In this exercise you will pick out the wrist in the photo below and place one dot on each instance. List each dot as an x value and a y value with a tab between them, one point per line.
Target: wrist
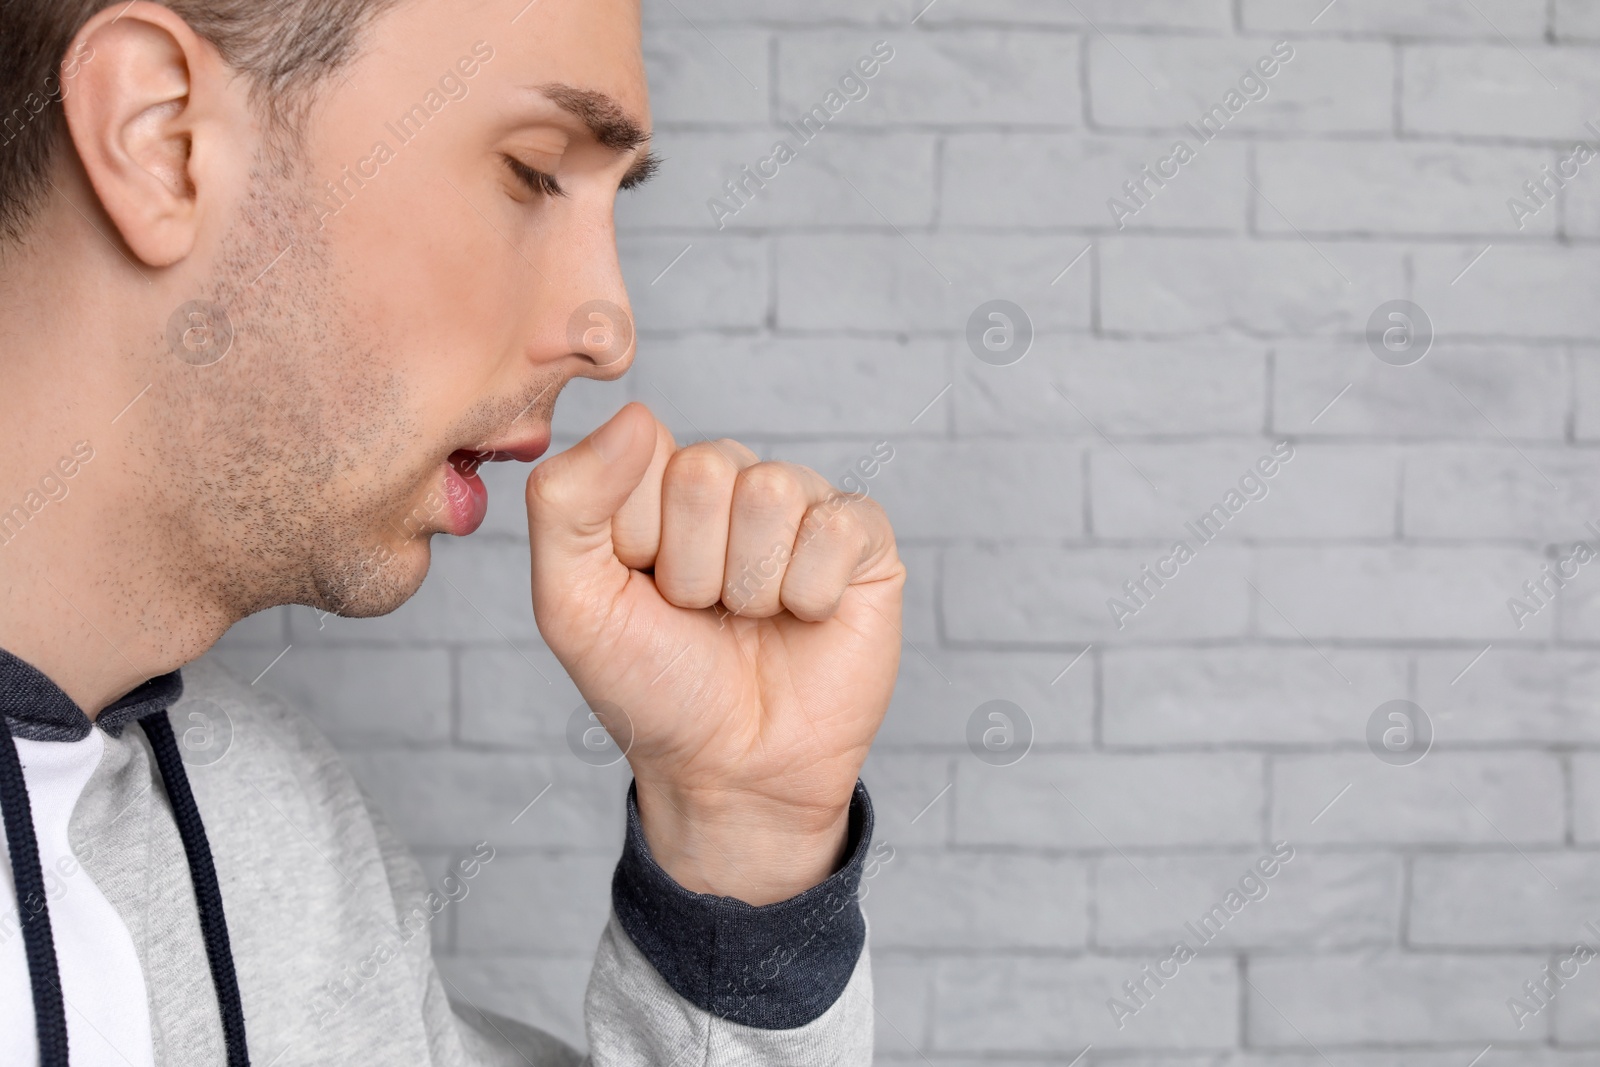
749	848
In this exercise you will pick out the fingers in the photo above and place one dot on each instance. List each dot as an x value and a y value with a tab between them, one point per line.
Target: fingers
840	541
713	522
636	528
697	495
572	497
770	502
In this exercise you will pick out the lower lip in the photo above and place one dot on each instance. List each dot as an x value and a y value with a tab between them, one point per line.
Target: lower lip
468	500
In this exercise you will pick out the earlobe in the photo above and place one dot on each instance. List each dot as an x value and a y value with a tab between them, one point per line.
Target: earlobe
136	108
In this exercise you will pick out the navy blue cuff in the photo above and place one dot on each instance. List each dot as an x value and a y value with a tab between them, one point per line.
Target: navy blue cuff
773	967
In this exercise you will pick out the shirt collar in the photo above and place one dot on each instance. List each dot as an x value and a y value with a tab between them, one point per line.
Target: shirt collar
36	709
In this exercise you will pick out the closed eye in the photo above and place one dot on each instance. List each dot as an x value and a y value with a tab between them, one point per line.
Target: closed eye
537	181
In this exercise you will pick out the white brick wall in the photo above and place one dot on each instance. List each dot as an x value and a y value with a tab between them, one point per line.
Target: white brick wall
1231	712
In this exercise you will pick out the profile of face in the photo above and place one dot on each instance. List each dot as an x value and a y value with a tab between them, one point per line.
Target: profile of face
409	284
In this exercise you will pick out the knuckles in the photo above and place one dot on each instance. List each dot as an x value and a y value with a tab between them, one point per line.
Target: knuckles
771	486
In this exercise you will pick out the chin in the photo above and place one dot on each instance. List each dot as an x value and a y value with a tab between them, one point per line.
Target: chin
375	583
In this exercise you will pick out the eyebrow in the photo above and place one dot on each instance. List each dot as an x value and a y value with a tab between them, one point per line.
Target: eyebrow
609	124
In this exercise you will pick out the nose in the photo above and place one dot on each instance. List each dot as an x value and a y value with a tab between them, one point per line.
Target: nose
586	310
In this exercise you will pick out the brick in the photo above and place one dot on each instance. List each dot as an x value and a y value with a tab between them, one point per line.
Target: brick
1154	14
507	905
894	172
1004	489
1431	18
1579	206
1362	1000
901	992
518	697
1315	901
1577	610
1220	696
1492	491
714	387
723	12
475	591
1446	798
1511	695
911	796
956	900
1575	20
581	407
447	798
1504	900
1060	596
1210	389
1390	188
719	283
1492	90
1319	492
1038	180
268	628
707	74
1586	798
1586	372
1458	390
1443	592
918	282
1133	801
939	690
1016	1005
1178	285
507	482
358	695
1515	290
944	78
1161	82
1577	1016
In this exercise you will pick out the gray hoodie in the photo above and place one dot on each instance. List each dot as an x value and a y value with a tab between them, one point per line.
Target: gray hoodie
327	915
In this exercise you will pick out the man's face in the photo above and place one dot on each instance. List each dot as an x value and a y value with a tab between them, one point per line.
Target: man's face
432	297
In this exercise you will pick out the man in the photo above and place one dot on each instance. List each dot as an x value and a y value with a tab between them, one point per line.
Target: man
278	276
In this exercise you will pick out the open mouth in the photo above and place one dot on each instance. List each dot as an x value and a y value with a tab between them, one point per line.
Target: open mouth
466	495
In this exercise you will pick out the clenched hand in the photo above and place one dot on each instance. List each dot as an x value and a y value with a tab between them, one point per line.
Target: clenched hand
745	618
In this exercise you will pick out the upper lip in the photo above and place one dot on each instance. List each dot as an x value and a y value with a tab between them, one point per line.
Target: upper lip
524	449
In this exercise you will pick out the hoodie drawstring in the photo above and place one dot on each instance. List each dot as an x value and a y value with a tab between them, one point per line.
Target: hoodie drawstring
49	1009
203	873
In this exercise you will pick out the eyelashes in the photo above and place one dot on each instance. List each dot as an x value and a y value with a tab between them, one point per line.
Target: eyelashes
536	182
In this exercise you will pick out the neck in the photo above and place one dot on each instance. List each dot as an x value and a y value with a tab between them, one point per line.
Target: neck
95	589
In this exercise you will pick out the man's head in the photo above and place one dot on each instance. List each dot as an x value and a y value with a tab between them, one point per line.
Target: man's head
280	261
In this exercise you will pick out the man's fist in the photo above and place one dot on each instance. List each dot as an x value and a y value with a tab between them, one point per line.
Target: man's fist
745	618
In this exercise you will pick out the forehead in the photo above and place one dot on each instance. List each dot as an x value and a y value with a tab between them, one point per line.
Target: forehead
590	44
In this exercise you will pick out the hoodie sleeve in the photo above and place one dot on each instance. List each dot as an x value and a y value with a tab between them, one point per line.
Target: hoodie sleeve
686	978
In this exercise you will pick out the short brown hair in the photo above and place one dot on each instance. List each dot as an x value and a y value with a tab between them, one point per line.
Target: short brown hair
285	47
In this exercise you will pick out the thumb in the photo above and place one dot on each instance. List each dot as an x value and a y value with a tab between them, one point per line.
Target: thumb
573	496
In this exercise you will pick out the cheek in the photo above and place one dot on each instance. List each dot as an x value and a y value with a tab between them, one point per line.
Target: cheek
437	297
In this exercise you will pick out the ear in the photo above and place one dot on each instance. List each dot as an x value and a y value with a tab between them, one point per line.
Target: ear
149	110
